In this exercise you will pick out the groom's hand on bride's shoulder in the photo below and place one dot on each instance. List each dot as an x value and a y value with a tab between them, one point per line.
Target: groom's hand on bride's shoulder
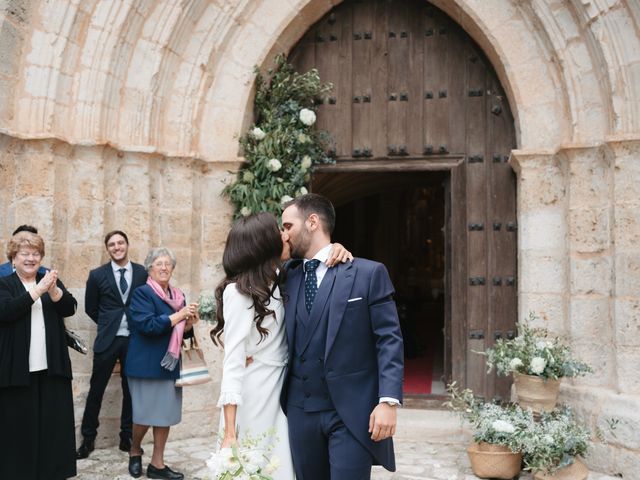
382	422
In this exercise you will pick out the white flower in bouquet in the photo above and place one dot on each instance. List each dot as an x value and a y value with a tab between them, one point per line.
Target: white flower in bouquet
285	199
515	363
248	176
503	426
272	466
258	133
254	460
542	344
537	365
305	164
302	191
308	117
274	165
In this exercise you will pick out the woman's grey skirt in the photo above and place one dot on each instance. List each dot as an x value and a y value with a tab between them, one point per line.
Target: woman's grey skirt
155	402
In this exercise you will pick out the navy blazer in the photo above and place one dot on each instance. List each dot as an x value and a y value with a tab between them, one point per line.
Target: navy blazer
150	332
15	331
103	302
364	358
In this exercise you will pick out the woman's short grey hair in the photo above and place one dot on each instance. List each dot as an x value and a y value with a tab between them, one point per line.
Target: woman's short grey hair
159	252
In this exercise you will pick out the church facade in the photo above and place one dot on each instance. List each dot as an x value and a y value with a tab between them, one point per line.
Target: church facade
126	114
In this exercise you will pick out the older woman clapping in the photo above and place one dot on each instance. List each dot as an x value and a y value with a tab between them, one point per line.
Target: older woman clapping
36	403
158	319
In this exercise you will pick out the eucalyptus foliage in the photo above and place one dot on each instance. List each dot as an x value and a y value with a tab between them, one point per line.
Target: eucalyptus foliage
282	146
506	425
534	351
555	441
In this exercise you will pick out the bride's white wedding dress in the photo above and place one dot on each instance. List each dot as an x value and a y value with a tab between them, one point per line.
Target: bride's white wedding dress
256	388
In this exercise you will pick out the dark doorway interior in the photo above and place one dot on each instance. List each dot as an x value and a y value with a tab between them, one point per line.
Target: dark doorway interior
399	219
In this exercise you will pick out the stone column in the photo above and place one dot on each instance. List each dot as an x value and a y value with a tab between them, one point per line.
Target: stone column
625	153
590	249
543	267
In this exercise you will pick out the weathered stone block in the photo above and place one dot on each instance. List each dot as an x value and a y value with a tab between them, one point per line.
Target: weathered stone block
543	230
539	273
627	322
550	309
590	229
11	39
627	277
626	228
591	275
627	369
590	319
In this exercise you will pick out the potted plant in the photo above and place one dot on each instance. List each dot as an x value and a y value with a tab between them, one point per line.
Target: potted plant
538	360
554	444
499	433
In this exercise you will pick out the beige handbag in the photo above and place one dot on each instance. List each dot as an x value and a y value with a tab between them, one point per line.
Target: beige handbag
193	368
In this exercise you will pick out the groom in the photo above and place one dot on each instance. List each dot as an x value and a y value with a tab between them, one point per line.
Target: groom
344	379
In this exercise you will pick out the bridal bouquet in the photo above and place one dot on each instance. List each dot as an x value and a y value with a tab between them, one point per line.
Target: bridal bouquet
245	461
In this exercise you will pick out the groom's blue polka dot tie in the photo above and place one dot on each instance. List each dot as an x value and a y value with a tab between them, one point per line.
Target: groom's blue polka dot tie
310	283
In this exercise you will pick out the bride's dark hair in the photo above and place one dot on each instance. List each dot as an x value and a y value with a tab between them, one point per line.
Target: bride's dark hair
251	258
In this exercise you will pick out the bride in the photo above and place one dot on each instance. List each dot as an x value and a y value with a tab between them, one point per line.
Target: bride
251	314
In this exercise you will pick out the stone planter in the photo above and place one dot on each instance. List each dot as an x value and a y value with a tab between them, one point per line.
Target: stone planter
576	471
493	461
536	392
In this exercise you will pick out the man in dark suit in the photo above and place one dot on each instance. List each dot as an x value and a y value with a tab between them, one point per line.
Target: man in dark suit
6	268
107	297
344	379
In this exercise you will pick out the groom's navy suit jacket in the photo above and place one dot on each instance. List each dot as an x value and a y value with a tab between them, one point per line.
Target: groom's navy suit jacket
363	354
103	302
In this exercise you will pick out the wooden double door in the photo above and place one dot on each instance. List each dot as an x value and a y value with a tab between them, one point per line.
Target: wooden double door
415	101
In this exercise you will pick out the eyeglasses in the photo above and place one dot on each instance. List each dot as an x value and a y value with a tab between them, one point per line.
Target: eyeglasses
163	264
34	255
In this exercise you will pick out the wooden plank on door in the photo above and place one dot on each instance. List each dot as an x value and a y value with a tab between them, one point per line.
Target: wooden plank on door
398	65
379	74
361	38
477	308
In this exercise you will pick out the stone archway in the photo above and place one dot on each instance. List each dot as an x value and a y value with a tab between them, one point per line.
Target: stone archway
129	106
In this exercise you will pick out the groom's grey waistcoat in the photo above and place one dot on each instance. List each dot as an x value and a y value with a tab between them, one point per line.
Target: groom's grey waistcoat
307	385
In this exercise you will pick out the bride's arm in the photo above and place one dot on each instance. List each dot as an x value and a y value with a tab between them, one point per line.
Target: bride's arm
230	436
238	315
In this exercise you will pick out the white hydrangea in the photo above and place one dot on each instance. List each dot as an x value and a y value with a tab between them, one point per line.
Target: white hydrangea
302	191
245	211
305	164
308	117
537	365
548	439
274	165
258	133
515	363
503	426
285	199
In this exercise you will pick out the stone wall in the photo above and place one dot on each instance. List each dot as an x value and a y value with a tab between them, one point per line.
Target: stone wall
74	195
126	114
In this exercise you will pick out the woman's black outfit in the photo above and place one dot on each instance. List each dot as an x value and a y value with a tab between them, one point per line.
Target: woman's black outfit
36	408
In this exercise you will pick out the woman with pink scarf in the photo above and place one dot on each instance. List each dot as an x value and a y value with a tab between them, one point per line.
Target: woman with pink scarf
158	320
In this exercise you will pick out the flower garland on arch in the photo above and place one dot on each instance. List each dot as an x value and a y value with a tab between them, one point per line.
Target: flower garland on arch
282	147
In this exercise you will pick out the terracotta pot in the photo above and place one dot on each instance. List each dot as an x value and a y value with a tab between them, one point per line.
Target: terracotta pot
493	461
576	471
536	392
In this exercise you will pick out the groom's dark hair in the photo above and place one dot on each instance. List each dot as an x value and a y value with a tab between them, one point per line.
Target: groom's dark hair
320	205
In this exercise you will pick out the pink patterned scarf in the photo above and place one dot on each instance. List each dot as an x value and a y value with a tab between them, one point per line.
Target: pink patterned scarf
175	300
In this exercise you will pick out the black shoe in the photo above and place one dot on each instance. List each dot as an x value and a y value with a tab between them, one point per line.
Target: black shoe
135	466
166	472
85	449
